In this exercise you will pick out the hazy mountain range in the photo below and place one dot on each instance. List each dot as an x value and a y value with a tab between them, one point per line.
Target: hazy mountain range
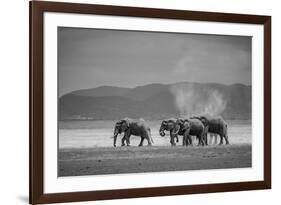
157	101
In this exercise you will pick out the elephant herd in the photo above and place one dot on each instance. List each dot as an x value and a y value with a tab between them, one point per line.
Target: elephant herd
193	126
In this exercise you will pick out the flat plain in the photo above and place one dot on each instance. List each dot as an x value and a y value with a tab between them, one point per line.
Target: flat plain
111	160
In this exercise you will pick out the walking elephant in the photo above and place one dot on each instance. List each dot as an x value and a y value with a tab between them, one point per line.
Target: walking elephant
132	127
170	126
216	125
191	127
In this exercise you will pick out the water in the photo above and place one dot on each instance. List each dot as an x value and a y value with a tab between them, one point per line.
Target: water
85	134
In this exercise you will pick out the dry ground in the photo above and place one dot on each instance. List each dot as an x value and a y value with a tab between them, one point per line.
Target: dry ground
111	160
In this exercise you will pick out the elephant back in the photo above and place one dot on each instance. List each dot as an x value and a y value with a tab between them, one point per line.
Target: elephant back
195	122
142	123
217	125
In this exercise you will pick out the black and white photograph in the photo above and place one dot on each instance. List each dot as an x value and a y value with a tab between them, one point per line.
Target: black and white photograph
144	101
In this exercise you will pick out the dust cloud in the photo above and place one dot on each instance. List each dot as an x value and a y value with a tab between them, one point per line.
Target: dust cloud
192	100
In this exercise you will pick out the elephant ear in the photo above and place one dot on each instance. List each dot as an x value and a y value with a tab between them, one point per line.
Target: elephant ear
171	124
204	120
180	122
186	124
125	124
164	123
117	127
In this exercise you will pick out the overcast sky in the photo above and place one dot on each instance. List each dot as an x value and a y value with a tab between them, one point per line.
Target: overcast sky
90	58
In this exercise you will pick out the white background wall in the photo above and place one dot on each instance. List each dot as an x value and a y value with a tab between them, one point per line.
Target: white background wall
14	100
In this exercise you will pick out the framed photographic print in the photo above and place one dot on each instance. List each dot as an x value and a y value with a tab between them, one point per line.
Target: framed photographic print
139	102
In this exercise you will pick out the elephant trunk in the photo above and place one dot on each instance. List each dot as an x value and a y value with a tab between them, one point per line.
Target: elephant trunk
114	140
116	131
161	132
176	130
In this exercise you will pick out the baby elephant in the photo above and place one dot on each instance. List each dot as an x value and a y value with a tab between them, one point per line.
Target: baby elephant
132	127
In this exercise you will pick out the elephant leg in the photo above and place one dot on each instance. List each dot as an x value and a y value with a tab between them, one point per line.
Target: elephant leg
141	142
127	138
199	138
183	140
221	139
216	138
187	139
190	140
211	139
205	140
226	139
199	141
149	139
177	137
123	141
202	140
128	141
172	141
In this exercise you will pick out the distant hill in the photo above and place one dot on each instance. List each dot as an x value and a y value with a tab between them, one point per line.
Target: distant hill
153	101
102	91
